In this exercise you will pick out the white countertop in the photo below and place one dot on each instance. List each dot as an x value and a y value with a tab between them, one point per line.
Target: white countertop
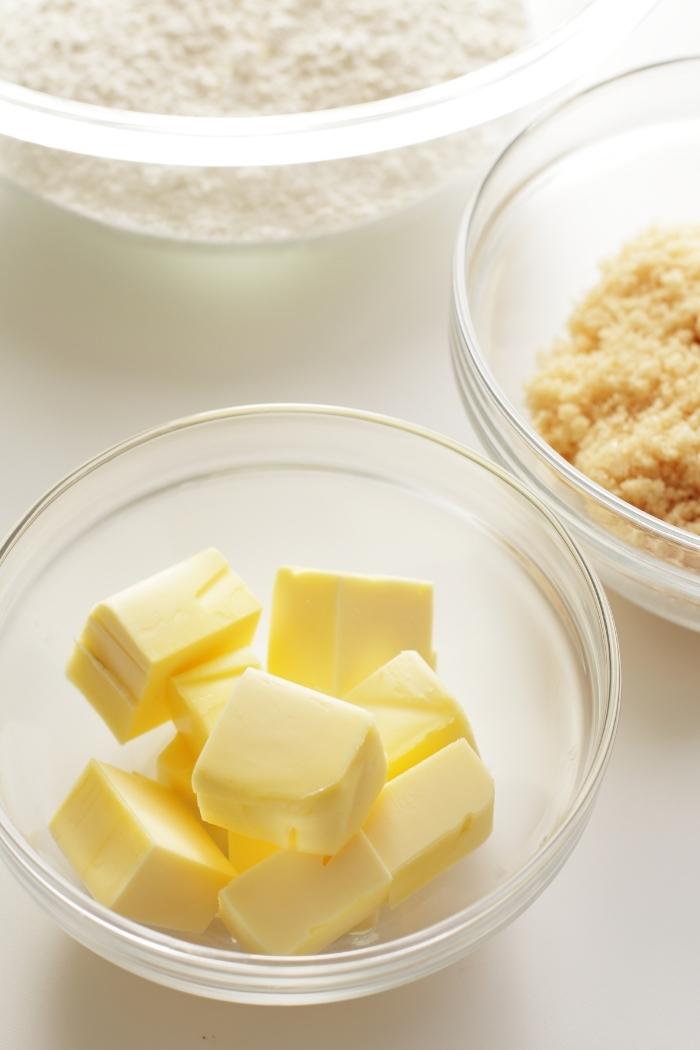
96	334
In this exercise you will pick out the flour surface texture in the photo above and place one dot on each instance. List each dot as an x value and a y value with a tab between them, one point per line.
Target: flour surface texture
246	57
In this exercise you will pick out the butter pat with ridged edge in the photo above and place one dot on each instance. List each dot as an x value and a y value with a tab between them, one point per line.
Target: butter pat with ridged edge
329	631
295	903
431	816
140	850
197	697
415	714
135	640
290	766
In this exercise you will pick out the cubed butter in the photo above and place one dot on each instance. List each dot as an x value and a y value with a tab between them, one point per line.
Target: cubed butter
290	766
415	714
429	817
174	765
134	641
295	903
197	697
244	852
140	850
329	631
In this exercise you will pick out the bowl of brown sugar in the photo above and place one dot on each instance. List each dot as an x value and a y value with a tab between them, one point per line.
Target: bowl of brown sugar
576	325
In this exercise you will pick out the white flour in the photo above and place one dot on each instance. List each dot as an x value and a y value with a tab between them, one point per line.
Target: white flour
216	57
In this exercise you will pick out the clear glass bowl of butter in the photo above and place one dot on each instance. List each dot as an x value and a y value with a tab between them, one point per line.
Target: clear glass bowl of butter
584	179
523	633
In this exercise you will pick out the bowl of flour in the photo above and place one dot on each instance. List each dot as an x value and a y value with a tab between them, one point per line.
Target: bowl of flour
241	121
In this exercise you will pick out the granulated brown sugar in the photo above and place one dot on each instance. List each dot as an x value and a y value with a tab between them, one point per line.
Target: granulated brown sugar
619	397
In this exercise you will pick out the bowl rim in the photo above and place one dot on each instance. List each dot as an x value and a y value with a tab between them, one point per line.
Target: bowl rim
500	87
476	362
226	964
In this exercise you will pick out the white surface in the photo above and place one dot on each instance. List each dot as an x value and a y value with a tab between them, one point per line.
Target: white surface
608	957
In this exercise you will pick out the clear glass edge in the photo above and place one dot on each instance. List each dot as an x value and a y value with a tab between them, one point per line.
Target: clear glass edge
531	73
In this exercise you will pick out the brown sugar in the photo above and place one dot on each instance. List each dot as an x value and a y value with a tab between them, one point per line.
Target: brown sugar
619	396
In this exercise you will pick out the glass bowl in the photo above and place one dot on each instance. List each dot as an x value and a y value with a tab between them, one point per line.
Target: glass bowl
565	194
523	632
237	179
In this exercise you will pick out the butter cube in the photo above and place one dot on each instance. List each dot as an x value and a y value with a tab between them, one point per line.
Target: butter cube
329	631
414	713
289	766
140	850
174	766
244	852
295	903
429	817
134	641
197	697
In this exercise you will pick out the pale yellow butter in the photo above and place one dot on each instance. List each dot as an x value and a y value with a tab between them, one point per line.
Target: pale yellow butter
415	714
174	765
134	641
140	850
329	631
244	852
290	766
197	697
429	817
295	903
